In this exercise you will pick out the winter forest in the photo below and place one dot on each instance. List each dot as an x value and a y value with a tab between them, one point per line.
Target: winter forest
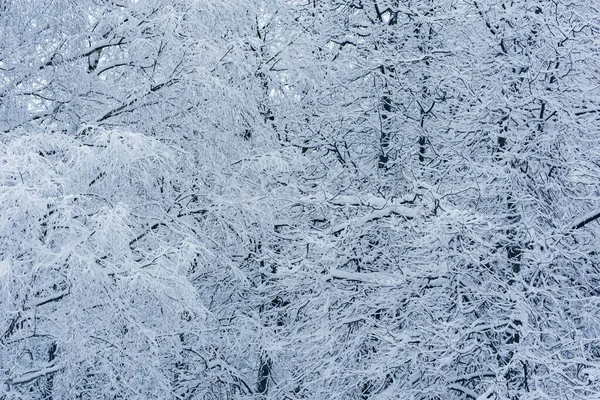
300	199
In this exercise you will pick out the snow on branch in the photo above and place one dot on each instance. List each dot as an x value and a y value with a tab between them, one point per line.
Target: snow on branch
466	391
373	201
379	278
382	208
31	376
586	219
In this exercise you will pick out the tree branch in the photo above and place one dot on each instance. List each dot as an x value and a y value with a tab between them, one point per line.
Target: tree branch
32	376
586	220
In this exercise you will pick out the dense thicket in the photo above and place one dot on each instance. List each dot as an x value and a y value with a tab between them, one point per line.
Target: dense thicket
299	199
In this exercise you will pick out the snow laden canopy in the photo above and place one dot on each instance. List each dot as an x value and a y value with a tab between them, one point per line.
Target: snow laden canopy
299	199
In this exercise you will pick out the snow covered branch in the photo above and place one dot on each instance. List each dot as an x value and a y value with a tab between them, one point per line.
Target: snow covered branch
33	375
